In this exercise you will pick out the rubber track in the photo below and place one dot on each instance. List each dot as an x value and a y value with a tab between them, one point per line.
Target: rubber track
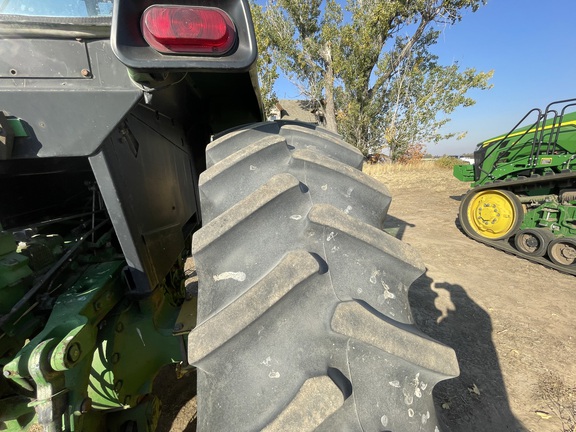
504	245
304	322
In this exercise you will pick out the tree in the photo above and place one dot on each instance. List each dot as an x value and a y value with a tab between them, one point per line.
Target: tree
413	153
372	72
267	72
420	101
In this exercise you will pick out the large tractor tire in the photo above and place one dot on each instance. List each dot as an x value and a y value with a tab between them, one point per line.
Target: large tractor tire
303	316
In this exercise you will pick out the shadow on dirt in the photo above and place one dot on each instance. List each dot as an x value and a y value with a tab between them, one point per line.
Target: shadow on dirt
477	400
178	402
457	197
396	227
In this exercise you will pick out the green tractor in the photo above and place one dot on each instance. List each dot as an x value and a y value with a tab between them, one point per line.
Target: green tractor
132	136
523	196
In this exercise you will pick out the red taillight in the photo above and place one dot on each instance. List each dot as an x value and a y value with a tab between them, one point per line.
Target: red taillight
188	29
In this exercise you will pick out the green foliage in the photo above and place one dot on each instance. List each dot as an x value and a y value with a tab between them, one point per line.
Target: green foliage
267	71
373	72
448	162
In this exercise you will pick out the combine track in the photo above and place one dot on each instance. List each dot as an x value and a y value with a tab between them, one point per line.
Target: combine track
504	245
569	177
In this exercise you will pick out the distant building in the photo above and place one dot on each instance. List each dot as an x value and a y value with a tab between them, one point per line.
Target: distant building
302	110
470	160
467	159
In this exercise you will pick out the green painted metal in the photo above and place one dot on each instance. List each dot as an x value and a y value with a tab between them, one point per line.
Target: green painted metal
15	278
464	173
59	358
558	218
98	351
536	162
131	338
17	127
537	149
15	274
16	413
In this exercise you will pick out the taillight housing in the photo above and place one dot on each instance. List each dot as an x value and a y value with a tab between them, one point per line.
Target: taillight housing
174	29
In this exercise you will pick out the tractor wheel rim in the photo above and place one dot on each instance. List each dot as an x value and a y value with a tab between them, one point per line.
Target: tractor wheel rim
530	242
564	253
492	214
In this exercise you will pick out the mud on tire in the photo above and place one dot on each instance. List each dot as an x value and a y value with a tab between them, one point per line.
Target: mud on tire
304	321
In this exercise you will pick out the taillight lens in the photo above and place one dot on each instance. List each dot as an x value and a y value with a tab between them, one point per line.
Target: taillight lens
188	29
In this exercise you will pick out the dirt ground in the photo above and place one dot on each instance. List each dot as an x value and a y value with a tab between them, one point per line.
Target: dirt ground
511	322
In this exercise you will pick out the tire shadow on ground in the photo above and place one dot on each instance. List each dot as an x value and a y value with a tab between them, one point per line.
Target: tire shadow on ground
396	227
477	400
457	197
177	395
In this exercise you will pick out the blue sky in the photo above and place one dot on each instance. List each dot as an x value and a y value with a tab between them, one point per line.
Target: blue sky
530	45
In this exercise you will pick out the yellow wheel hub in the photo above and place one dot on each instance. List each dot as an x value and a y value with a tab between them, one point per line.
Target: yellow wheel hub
492	214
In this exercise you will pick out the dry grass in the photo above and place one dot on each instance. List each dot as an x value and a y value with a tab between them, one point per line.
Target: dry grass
560	399
421	175
387	168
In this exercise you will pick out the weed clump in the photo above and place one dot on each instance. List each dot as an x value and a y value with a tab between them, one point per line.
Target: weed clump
448	162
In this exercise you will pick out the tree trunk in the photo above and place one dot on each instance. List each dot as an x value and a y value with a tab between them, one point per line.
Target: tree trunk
328	105
330	108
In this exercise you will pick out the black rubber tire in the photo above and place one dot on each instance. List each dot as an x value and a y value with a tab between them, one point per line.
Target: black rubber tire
533	241
304	321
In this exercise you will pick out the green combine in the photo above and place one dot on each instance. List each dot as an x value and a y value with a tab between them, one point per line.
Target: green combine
523	195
